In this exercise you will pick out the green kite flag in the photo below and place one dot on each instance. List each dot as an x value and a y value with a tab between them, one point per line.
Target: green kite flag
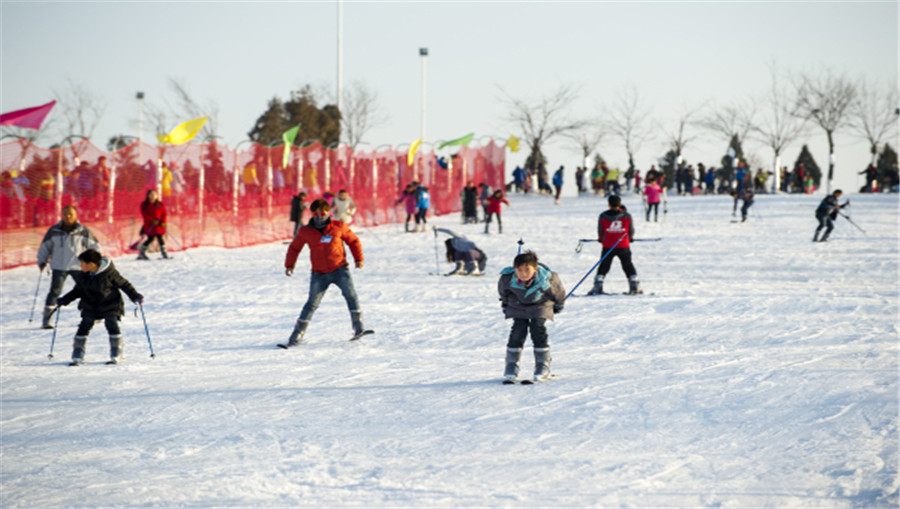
288	137
459	141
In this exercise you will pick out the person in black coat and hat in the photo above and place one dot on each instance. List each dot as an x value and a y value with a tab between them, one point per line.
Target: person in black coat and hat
98	286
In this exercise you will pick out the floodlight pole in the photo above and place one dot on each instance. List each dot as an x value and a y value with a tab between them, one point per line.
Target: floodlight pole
423	52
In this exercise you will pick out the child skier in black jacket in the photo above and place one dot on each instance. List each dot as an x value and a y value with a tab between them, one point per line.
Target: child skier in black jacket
98	285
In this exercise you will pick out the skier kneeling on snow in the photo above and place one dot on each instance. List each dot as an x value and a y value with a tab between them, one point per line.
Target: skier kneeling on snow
530	294
325	239
470	260
98	285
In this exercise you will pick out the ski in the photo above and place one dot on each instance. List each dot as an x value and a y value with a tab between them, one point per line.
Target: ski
361	334
528	381
75	363
111	362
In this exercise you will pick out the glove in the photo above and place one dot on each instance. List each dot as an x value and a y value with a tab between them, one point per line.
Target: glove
41	266
140	299
557	309
59	302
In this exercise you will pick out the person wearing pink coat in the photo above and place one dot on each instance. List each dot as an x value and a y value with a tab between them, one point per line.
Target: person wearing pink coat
653	193
409	199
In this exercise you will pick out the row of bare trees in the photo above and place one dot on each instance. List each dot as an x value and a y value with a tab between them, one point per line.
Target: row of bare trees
79	111
788	111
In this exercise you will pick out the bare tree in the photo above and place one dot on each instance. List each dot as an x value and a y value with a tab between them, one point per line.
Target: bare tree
778	127
629	120
542	120
192	109
825	98
730	122
587	140
361	113
678	139
81	110
873	114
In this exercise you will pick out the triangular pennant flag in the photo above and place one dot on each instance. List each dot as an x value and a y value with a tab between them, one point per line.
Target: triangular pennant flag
412	152
513	144
458	141
31	118
183	132
288	136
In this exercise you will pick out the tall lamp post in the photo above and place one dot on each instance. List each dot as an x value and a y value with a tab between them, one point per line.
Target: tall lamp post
140	99
423	52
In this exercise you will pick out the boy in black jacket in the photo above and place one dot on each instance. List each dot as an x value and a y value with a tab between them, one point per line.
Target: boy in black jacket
98	285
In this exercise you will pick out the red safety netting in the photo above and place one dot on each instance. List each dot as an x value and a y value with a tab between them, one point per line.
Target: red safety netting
214	195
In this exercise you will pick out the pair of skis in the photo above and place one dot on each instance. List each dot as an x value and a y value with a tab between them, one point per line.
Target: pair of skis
528	381
354	338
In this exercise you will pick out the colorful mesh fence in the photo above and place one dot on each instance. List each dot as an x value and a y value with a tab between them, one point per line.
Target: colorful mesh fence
214	195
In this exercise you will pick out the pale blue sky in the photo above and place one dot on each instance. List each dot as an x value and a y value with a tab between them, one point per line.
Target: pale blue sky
679	55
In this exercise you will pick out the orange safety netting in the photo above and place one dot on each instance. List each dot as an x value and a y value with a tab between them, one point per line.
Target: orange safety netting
214	195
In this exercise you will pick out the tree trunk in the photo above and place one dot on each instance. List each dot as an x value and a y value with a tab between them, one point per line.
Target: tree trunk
830	161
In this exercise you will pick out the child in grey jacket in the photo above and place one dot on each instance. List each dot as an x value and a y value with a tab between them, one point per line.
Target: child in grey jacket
530	294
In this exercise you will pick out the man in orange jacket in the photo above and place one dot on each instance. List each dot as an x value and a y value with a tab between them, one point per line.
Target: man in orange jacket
325	238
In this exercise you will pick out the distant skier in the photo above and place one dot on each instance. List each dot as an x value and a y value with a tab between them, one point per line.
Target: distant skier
325	239
530	294
297	208
826	213
494	209
470	203
409	199
469	259
615	232
746	195
344	208
653	194
98	285
558	182
60	247
423	203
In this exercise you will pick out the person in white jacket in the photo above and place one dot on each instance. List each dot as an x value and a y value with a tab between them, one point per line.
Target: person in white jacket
344	208
61	246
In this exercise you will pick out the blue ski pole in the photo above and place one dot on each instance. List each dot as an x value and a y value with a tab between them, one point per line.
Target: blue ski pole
520	245
596	265
55	326
144	318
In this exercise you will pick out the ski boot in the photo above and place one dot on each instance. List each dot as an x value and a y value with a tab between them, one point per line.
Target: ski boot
115	349
78	350
162	251
142	253
634	286
541	364
598	286
512	365
459	270
297	334
45	322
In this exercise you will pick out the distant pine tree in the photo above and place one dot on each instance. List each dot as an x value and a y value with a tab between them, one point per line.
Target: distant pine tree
729	163
887	165
809	165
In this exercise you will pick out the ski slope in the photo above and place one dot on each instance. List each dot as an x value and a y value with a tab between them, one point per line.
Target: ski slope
761	371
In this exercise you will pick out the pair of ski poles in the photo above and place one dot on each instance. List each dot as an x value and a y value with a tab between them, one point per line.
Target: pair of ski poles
143	317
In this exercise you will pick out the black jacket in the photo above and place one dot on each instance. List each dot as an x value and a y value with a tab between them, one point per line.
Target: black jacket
99	292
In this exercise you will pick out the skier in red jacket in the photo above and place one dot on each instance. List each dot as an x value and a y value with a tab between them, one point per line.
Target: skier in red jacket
616	231
154	214
325	238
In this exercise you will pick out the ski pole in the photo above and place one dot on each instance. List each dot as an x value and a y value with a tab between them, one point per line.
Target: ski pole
36	290
437	265
851	222
520	245
55	326
597	264
144	318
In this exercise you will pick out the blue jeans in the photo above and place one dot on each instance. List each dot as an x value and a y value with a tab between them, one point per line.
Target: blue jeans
319	282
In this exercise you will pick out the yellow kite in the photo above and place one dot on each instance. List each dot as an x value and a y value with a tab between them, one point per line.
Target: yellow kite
410	157
513	144
183	132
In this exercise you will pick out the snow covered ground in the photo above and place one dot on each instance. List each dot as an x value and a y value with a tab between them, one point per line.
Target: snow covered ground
760	369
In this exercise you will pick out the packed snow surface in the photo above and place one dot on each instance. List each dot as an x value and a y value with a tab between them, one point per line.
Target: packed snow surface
758	369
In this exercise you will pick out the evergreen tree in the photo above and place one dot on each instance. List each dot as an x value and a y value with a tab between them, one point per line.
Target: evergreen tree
667	167
887	164
809	165
729	163
321	124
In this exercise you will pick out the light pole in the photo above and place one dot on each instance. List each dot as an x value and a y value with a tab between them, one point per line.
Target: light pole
140	99
423	52
340	57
